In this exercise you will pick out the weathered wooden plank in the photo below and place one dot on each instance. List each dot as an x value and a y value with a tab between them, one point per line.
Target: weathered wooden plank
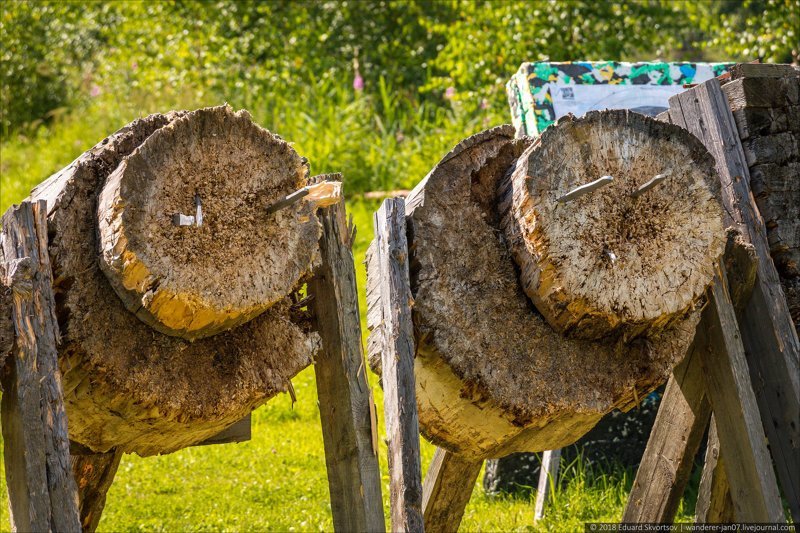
754	489
237	432
42	491
714	504
548	475
674	440
447	489
762	70
94	474
399	392
345	399
768	333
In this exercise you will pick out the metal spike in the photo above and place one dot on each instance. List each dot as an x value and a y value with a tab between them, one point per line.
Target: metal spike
585	189
650	184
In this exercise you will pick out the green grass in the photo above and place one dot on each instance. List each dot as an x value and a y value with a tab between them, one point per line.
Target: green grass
277	481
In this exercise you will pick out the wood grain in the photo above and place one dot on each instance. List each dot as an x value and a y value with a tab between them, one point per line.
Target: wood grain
345	398
768	333
94	474
714	503
447	489
399	391
41	489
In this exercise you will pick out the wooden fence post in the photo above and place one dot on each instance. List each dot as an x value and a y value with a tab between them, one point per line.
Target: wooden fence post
397	369
41	489
345	399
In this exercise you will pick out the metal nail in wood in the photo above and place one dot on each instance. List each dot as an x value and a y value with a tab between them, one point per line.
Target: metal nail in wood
659	178
585	189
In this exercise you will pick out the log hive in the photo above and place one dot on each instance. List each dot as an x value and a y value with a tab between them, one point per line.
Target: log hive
156	380
613	259
493	376
767	114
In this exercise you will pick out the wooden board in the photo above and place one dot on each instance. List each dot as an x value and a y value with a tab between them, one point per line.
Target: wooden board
754	489
41	490
399	390
674	440
768	334
237	432
548	477
714	504
345	399
447	489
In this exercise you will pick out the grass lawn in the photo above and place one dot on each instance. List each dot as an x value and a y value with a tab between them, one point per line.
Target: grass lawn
277	481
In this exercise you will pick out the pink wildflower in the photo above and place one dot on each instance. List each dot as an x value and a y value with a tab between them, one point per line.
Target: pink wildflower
95	91
358	82
449	93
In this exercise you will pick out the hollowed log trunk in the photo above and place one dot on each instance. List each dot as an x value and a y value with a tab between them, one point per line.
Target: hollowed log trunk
126	385
493	377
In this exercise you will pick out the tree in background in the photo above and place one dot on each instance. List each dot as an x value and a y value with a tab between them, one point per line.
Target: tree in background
59	55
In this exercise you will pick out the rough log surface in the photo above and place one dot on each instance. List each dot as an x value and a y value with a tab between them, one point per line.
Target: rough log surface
767	115
195	281
127	386
610	261
41	490
480	341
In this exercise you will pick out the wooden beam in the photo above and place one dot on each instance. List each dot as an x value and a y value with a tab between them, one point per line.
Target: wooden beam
397	369
94	473
674	440
548	475
345	399
754	489
41	489
770	340
714	503
447	489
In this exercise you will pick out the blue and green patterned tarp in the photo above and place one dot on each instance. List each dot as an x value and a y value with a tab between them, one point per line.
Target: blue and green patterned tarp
541	92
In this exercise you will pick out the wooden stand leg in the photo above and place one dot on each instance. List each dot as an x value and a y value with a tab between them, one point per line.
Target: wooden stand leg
714	504
674	440
548	475
94	474
447	489
768	334
345	399
399	391
41	489
754	489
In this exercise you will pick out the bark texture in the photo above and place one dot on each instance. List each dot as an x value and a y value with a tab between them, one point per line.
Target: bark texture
127	386
236	260
767	115
613	260
492	377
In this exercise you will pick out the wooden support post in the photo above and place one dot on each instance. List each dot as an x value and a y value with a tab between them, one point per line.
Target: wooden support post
674	440
94	473
397	369
748	465
548	475
714	504
447	489
345	399
768	334
41	490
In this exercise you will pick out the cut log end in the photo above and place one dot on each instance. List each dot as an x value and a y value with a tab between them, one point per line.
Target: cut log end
632	255
219	171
